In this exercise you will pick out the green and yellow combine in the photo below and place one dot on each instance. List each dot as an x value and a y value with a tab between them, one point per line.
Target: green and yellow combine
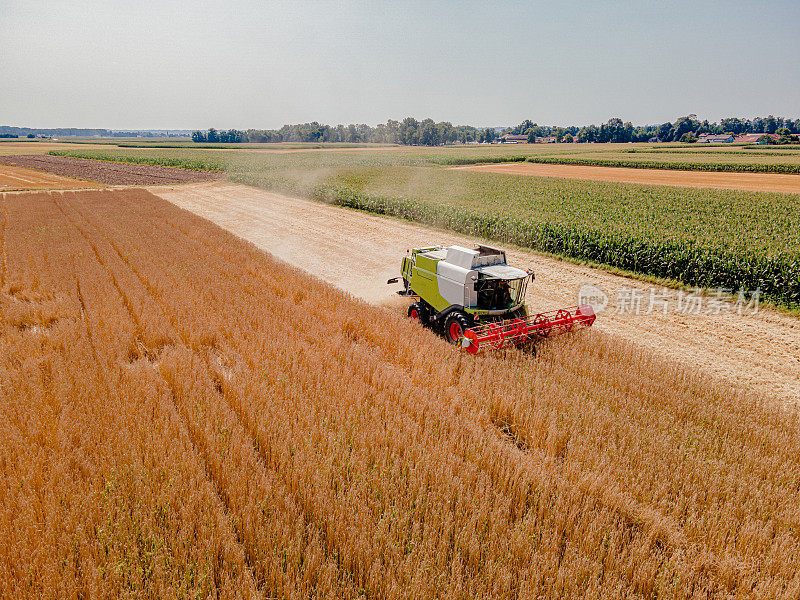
477	300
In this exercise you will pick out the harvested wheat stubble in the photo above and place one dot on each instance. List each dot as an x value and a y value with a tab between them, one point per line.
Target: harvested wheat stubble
20	178
185	415
108	172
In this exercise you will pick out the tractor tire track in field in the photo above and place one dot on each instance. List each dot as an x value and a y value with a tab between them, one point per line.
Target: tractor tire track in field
303	505
359	252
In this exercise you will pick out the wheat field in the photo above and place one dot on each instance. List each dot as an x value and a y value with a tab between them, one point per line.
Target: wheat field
184	416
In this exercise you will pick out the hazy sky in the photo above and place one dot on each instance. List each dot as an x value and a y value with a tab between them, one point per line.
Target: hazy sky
198	64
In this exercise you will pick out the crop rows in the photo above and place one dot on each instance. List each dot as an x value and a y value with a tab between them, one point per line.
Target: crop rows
711	238
706	158
675	165
193	164
777	277
185	416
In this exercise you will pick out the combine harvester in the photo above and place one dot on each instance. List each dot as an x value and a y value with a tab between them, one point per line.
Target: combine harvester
477	300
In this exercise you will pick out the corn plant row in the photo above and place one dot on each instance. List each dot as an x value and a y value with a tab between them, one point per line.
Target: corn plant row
777	277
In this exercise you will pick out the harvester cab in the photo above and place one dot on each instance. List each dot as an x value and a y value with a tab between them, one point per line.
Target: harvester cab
476	299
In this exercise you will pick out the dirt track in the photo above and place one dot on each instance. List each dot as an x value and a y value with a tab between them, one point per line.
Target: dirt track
359	252
753	182
19	178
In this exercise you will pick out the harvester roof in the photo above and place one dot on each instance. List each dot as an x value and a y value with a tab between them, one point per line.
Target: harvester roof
467	258
501	272
489	262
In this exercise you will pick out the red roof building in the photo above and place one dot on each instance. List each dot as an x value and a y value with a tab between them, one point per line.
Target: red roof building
514	139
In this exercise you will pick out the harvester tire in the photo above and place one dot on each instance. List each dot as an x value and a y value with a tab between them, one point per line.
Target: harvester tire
417	312
454	326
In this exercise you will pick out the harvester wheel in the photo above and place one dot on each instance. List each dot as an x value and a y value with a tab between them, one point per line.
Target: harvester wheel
542	324
563	316
455	326
417	312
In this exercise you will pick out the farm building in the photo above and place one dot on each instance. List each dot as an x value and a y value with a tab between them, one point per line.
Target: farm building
546	140
754	138
749	138
514	139
706	138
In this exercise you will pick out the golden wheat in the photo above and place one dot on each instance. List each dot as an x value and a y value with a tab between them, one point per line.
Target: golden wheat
184	416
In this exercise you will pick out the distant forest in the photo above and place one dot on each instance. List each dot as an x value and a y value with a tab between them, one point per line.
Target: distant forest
7	131
411	132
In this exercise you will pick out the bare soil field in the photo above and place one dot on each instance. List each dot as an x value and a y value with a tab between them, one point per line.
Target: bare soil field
754	182
107	172
359	252
20	178
185	416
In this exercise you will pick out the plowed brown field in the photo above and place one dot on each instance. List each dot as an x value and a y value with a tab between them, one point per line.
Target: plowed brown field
110	173
754	182
20	178
359	252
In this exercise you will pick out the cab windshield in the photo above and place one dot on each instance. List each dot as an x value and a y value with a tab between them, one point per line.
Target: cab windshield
499	294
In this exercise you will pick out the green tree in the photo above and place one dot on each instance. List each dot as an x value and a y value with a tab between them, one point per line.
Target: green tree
445	132
428	133
409	131
684	125
664	132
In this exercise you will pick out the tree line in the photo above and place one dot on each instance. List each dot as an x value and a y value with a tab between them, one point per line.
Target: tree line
409	131
412	132
684	129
